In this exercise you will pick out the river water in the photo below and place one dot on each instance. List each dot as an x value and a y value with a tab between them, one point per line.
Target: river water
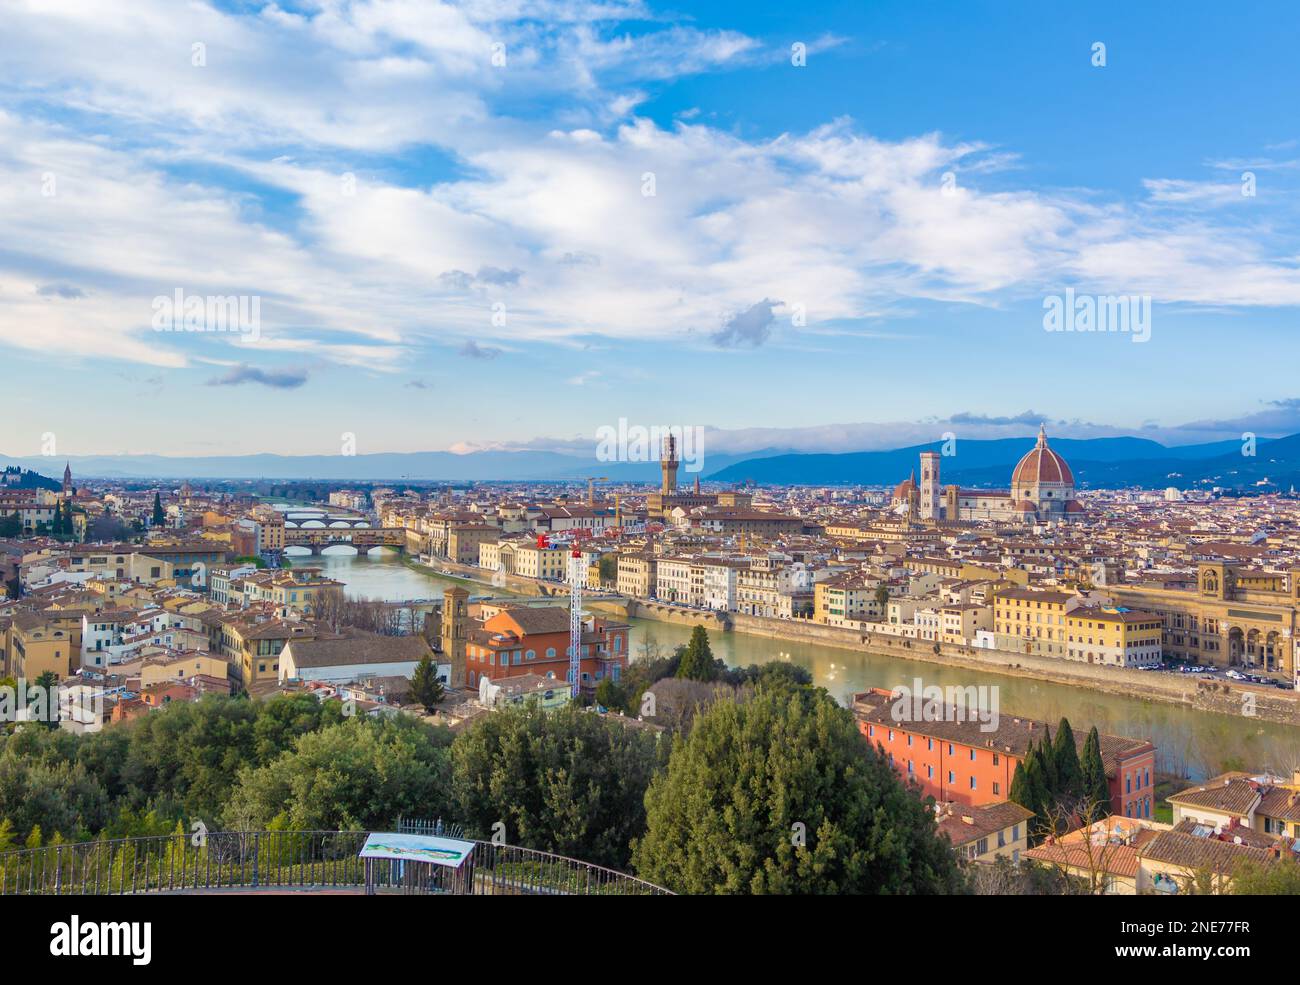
1189	742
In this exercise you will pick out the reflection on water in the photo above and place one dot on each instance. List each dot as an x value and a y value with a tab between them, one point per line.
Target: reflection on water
1197	743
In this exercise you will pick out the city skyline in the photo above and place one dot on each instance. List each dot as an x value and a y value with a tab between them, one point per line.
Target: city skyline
621	211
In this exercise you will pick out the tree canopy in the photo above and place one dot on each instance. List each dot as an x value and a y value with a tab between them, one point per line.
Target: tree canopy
564	781
782	794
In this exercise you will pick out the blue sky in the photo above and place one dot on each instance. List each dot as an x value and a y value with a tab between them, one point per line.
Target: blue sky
454	252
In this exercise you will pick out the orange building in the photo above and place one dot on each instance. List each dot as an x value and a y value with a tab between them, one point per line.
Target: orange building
958	762
525	640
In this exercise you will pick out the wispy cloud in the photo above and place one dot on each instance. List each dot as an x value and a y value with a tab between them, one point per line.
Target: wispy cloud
472	350
751	327
244	373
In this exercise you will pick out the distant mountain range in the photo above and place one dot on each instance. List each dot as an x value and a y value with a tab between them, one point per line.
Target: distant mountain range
1096	463
383	467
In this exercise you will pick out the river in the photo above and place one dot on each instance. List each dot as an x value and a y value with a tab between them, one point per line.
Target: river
1189	742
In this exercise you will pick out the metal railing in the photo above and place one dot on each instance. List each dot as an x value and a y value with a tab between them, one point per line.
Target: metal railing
295	860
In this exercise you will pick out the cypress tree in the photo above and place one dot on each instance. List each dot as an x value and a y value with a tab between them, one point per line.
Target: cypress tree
1022	787
1069	775
1047	761
697	662
159	517
1095	787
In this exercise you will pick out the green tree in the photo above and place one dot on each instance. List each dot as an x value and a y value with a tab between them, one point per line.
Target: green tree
698	662
1096	791
882	596
7	838
1065	755
610	695
48	682
1278	878
1029	790
357	774
565	781
1047	763
159	517
781	794
426	690
608	566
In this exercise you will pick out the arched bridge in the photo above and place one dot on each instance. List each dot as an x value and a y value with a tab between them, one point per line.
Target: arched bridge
362	538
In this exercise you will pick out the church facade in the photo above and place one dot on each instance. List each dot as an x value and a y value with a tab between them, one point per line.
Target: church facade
1042	491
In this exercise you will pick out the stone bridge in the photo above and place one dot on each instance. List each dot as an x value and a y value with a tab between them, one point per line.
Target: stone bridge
360	538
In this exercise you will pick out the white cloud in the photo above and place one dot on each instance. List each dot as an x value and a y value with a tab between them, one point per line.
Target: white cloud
553	210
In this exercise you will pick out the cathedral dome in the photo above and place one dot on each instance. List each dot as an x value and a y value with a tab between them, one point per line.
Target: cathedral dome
1041	465
905	488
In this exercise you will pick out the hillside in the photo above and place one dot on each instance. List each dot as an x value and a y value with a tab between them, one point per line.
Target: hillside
1096	462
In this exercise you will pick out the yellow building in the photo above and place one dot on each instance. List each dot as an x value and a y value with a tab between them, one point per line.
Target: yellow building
550	563
837	601
1029	621
183	668
298	589
985	833
464	541
959	623
1117	637
636	575
36	645
253	649
1235	617
1264	804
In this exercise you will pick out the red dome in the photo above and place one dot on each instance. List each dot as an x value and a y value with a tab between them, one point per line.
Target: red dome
904	489
1042	465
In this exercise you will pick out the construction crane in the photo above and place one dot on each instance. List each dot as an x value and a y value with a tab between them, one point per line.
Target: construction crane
577	578
591	487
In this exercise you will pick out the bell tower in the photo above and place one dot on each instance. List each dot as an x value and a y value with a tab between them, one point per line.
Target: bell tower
929	485
668	465
453	632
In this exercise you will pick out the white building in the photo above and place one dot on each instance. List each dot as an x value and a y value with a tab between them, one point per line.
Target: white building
347	660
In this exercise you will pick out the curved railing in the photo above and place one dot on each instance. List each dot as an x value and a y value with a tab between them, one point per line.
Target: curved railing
295	860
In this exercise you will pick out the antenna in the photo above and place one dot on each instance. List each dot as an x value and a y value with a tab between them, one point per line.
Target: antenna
577	575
